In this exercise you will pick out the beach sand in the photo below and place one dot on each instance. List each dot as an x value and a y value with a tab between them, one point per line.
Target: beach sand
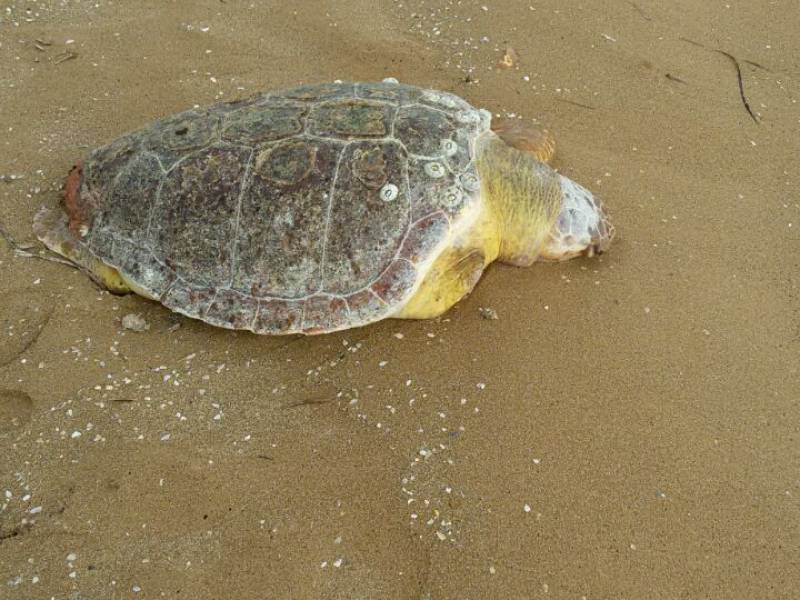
628	428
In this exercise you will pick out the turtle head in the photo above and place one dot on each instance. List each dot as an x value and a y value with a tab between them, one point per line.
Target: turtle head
539	214
582	227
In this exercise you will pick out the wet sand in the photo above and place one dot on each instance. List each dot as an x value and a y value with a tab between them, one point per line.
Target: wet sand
627	428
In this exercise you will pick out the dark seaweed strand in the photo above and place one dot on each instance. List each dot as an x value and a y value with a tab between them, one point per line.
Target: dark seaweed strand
741	84
738	73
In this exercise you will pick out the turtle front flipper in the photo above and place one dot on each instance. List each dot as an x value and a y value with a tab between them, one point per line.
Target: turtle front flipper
525	137
51	226
452	276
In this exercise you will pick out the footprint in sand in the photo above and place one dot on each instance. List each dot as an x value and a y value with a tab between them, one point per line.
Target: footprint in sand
15	410
22	318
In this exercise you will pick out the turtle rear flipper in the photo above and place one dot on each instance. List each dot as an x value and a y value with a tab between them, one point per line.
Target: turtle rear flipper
52	228
452	276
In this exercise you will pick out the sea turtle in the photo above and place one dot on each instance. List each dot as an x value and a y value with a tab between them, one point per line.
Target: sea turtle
320	208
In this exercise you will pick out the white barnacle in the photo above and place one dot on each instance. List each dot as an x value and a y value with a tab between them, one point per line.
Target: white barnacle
469	116
390	80
452	196
470	182
446	100
431	96
449	147
389	192
434	169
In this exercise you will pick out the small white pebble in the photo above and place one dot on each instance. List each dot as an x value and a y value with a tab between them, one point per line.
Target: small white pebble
135	322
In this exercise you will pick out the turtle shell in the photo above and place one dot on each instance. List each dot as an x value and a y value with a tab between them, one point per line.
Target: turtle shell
299	211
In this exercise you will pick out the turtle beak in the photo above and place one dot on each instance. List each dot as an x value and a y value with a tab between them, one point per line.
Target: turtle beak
582	227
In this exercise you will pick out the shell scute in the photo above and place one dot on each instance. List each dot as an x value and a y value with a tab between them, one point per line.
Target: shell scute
258	123
323	313
459	156
279	316
286	164
444	101
424	130
174	137
364	231
364	305
188	299
129	198
396	282
282	219
140	265
193	220
440	192
391	92
103	164
424	236
232	310
350	118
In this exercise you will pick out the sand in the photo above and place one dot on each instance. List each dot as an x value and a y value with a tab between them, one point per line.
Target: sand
627	428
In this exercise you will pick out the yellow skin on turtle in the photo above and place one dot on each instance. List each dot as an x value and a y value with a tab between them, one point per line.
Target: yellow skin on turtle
519	221
524	217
